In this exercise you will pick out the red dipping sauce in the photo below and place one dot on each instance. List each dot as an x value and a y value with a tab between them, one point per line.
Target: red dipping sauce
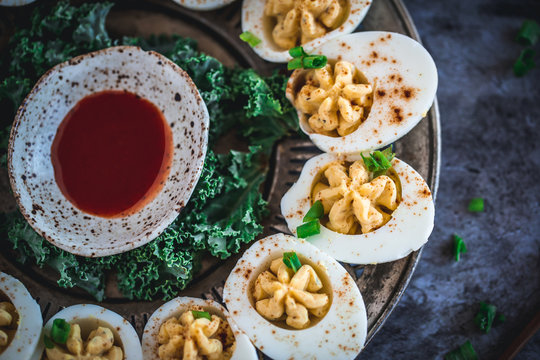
112	153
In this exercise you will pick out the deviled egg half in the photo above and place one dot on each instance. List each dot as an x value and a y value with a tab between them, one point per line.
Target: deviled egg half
203	5
367	218
296	302
191	328
20	320
87	331
374	89
284	24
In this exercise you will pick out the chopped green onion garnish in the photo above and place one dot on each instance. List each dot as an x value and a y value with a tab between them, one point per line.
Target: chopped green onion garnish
49	344
308	229
306	61
60	331
524	62
314	61
315	211
459	247
297	52
529	33
201	315
476	205
485	316
251	39
464	352
500	319
291	260
294	64
379	162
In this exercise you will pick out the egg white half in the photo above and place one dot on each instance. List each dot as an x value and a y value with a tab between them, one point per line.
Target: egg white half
120	327
404	78
340	334
24	344
176	307
254	20
407	230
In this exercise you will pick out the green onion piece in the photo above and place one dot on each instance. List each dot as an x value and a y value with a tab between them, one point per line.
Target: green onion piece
251	39
308	229
485	316
297	52
524	62
529	33
294	64
201	315
314	61
459	246
49	344
315	211
500	319
476	205
379	162
60	331
464	352
291	260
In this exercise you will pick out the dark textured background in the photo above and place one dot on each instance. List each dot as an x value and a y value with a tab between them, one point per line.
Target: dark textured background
490	123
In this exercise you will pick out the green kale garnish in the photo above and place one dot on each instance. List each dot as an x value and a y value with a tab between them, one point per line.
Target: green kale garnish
226	207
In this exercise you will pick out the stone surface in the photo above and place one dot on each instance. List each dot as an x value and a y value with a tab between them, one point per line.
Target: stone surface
490	123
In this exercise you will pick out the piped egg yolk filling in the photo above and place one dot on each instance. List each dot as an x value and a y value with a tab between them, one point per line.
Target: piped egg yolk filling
280	294
98	346
189	338
8	324
300	21
336	100
353	201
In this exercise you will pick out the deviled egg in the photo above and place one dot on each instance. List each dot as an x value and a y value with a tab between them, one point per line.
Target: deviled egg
191	328
374	89
296	302
20	320
367	219
89	331
203	5
284	24
15	2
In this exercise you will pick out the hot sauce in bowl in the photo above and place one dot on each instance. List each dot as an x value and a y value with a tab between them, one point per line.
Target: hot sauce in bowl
112	153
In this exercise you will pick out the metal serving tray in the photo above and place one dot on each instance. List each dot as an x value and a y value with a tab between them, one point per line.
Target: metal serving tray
217	33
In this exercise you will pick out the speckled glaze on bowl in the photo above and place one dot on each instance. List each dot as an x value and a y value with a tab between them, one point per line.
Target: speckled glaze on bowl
25	343
340	334
203	5
147	74
89	317
15	2
408	229
404	80
255	21
175	308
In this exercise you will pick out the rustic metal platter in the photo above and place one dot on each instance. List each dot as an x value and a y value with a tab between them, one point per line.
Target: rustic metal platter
217	33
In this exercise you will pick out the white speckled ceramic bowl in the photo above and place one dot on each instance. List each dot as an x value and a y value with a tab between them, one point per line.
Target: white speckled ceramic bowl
147	74
15	2
407	230
25	343
404	80
203	5
89	317
255	21
175	308
339	334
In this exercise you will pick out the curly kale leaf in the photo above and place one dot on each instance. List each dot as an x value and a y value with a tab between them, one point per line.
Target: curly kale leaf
86	273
